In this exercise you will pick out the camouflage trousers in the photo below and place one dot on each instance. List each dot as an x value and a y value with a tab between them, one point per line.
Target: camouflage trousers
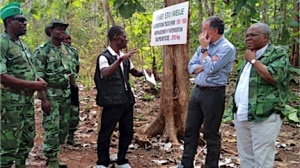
17	130
74	118
56	125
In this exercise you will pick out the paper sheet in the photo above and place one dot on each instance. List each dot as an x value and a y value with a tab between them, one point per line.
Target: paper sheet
150	79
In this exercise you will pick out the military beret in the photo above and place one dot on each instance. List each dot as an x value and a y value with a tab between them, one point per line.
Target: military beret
11	9
52	24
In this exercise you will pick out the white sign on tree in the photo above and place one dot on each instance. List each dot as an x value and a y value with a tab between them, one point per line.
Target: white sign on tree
169	25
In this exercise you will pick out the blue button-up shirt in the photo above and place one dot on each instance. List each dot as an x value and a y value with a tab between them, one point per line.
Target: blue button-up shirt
215	73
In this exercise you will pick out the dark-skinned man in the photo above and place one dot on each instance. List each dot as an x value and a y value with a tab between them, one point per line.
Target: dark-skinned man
53	61
259	98
115	96
18	82
74	115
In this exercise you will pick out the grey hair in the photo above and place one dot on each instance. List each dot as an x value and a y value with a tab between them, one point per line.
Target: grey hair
216	23
264	28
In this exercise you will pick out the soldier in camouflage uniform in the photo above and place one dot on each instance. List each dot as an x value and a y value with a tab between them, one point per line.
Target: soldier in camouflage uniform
260	94
74	116
53	61
18	82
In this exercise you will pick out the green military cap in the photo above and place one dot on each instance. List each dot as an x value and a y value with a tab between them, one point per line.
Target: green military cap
52	24
11	9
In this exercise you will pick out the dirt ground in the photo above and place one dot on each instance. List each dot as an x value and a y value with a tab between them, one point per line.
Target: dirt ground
160	154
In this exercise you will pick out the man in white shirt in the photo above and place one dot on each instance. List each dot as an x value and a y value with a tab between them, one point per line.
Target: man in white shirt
115	96
260	95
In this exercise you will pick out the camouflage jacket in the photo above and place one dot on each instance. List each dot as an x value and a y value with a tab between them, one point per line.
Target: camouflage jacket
15	60
54	65
75	61
266	98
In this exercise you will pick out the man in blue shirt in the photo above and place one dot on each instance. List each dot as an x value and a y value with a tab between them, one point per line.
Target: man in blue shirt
211	65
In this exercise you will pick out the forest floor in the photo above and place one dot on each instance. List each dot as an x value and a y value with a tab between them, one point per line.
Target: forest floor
159	154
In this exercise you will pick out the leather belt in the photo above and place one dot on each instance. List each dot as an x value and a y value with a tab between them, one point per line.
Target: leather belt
211	87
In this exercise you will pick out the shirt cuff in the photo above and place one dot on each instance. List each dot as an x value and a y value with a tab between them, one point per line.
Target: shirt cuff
207	59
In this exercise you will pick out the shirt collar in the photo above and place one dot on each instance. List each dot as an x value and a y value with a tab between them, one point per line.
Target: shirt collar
218	41
261	51
113	52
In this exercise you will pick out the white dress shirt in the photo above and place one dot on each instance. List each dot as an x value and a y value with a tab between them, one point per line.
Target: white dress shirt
241	96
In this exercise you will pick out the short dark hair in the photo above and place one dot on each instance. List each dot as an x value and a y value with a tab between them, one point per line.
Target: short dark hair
216	23
114	31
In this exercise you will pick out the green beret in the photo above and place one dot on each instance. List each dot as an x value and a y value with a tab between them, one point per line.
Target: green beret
53	23
11	9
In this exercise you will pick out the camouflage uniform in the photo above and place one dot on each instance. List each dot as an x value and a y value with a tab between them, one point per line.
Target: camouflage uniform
74	115
54	65
265	98
17	110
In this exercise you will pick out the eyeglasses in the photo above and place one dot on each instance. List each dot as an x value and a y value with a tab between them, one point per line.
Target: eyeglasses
252	35
21	19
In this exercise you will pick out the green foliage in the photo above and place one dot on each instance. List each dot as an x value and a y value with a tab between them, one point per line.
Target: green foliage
126	8
20	1
139	117
147	97
291	113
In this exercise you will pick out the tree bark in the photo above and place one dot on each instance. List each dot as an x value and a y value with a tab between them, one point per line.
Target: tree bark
264	9
108	12
200	14
174	93
295	45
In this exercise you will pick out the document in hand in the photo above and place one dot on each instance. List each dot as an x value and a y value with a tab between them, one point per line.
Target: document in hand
151	78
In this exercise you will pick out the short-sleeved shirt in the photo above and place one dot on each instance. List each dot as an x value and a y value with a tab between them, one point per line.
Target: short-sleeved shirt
54	64
15	60
103	62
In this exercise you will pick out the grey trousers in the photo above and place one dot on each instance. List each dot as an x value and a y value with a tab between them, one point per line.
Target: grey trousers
256	142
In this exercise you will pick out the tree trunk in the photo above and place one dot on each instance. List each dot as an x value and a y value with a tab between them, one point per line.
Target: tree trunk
200	14
283	11
174	91
295	45
264	9
108	12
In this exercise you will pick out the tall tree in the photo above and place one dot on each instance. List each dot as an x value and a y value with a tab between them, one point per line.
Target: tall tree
295	44
174	91
108	12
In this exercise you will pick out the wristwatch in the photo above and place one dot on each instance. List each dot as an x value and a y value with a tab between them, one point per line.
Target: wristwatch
203	50
253	61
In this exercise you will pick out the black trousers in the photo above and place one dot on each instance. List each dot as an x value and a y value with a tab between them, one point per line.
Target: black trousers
205	107
110	117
